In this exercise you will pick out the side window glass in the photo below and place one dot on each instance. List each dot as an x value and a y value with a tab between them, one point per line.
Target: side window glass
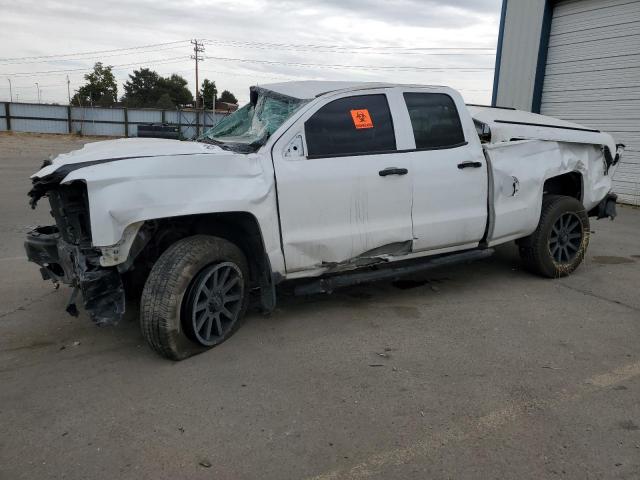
435	120
352	125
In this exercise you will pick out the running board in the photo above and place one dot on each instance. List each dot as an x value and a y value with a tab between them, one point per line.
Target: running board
328	284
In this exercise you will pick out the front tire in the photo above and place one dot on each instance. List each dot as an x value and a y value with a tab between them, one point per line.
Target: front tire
557	247
195	296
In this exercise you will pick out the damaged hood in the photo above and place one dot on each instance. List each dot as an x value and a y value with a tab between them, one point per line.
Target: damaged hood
133	180
130	158
123	149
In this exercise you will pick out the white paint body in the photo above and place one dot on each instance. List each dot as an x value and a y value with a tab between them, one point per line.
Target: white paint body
320	214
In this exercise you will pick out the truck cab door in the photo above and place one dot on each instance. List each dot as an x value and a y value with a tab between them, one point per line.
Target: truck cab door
449	172
344	190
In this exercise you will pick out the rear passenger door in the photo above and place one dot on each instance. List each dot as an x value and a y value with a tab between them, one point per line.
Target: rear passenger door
449	173
348	192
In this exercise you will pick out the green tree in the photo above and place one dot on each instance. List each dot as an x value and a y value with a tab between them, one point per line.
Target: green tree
228	97
100	89
141	88
176	87
145	88
165	102
208	90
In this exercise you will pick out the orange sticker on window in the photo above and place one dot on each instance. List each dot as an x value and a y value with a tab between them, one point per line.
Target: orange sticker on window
361	118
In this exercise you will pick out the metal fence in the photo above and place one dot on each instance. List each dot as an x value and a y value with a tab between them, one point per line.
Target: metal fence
112	122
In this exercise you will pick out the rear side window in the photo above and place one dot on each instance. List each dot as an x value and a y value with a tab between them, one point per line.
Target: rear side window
435	120
351	126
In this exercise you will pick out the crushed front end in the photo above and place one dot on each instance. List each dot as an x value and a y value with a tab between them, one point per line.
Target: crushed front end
65	253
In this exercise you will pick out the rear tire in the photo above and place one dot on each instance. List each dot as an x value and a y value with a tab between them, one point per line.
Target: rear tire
173	301
557	247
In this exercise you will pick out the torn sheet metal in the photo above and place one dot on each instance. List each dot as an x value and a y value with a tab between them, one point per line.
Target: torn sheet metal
61	262
506	125
371	257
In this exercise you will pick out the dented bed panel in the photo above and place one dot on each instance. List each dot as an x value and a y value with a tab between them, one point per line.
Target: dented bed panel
519	171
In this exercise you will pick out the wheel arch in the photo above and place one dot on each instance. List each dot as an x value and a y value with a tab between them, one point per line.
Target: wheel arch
569	184
238	227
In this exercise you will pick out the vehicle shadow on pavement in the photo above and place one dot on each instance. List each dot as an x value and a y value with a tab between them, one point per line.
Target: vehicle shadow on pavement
48	327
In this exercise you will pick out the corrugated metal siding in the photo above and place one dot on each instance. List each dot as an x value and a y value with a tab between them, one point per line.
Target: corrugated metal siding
43	118
593	76
145	116
188	121
52	118
3	113
142	116
520	44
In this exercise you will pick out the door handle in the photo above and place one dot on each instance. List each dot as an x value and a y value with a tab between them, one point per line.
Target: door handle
393	171
469	165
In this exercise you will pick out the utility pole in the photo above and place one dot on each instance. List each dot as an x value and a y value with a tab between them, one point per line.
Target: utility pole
197	49
38	87
10	90
69	89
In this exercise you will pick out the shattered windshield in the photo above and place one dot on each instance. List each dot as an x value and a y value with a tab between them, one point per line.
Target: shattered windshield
248	128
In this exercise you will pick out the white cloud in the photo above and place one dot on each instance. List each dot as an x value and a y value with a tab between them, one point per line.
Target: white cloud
50	27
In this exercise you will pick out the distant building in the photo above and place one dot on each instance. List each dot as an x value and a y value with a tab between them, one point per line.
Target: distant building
224	107
578	60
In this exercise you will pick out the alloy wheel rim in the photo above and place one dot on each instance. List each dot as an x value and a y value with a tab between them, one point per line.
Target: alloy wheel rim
215	302
565	238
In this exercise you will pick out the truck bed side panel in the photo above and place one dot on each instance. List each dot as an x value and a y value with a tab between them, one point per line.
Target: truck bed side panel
519	171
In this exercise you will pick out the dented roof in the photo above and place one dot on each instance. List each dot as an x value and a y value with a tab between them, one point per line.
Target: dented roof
309	89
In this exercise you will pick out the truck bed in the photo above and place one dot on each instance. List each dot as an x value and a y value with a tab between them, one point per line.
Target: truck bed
506	124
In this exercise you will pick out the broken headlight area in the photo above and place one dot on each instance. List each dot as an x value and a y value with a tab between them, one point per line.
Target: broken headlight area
65	255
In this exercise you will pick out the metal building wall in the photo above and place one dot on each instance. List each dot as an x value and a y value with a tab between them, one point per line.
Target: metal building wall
593	76
517	61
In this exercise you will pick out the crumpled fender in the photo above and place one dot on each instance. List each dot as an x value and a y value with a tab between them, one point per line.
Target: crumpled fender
125	192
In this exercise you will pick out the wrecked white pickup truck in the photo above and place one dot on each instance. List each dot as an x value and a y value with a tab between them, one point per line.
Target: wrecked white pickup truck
328	183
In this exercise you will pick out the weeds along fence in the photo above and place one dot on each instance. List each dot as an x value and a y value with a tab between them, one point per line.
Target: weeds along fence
101	121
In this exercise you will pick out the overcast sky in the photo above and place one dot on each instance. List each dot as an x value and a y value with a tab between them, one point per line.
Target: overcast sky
369	40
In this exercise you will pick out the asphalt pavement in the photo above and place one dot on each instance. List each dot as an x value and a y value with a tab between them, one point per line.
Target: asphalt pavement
475	371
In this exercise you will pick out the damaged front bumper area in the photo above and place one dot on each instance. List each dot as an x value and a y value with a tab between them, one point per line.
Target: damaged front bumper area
65	255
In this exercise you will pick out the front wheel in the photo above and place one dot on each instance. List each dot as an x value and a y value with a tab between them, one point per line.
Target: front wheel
195	296
557	247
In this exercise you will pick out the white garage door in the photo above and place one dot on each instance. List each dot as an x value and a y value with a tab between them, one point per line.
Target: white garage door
593	76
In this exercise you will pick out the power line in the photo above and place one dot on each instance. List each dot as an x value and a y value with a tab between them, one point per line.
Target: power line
345	47
48	72
258	74
94	57
362	67
432	51
92	52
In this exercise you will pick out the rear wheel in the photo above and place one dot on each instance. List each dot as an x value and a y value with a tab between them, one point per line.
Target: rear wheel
195	296
557	247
